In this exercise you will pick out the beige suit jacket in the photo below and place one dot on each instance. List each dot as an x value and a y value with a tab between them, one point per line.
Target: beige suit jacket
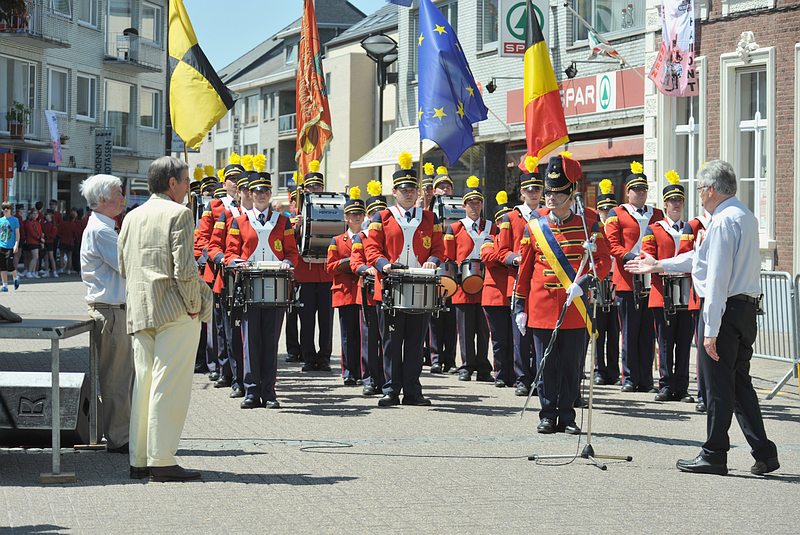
156	258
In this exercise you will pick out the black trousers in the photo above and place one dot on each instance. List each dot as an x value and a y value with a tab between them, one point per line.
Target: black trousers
638	334
261	330
200	358
473	338
559	384
606	349
698	341
317	311
219	346
441	338
231	360
403	336
729	389
674	346
372	346
292	336
501	331
525	355
350	323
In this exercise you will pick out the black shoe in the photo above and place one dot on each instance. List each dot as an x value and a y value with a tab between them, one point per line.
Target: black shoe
546	426
200	368
272	404
369	390
350	381
521	390
628	387
499	383
213	376
699	465
570	429
484	377
700	407
464	375
419	401
222	382
599	381
436	369
664	395
294	358
249	403
236	392
388	400
119	449
173	473
310	367
684	398
648	389
615	382
140	472
580	403
324	367
452	370
765	467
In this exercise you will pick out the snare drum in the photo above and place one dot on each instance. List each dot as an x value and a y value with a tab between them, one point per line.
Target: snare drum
413	291
642	282
677	292
267	288
229	287
448	278
449	209
323	219
472	273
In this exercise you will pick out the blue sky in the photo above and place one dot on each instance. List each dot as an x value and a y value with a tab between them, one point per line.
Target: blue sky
226	29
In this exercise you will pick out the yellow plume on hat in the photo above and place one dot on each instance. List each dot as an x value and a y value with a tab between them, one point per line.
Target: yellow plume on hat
405	160
441	170
531	162
247	162
259	163
672	176
220	175
208	170
313	166
198	173
473	182
374	188
298	178
606	186
234	159
428	168
501	197
355	193
565	154
636	168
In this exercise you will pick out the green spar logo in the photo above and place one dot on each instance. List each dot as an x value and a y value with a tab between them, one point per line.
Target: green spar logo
605	92
519	14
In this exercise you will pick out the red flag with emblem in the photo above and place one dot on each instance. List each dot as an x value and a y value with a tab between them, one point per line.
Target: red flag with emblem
313	115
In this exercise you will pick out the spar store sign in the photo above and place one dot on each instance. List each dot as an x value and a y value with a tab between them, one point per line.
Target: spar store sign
513	23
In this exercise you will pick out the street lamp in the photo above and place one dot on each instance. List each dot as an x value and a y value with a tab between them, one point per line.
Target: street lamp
381	49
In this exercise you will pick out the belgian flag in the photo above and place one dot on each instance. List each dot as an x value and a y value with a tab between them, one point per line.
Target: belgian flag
545	125
197	97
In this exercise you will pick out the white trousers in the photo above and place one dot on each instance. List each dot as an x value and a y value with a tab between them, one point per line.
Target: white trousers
164	362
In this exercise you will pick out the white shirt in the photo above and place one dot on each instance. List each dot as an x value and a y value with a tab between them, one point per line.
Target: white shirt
99	262
725	264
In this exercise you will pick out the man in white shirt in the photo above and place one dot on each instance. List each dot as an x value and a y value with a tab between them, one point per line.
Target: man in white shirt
725	267
105	296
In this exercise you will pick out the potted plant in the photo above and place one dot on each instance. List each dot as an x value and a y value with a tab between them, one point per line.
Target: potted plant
64	139
17	117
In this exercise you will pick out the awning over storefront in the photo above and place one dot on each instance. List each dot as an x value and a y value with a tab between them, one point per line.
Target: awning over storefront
385	153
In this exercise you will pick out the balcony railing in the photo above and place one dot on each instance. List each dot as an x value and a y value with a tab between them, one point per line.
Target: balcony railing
132	50
37	25
287	124
31	129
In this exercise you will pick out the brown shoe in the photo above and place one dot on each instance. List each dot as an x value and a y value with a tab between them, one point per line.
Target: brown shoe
173	473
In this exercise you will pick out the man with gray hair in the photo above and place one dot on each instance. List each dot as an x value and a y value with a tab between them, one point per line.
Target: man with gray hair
725	267
166	303
105	296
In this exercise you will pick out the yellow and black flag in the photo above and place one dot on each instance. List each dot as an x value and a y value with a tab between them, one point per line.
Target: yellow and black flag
197	97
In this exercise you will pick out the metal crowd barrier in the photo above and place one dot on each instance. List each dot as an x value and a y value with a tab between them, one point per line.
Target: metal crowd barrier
778	330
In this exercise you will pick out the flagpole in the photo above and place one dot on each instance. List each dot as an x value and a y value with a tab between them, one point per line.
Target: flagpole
167	118
419	166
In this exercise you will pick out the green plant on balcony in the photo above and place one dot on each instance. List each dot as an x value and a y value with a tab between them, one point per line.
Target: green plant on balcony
18	116
13	15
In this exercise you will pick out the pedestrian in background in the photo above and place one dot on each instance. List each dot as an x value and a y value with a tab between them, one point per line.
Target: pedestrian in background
9	245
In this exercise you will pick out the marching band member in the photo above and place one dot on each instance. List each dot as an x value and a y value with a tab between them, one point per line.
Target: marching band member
315	293
208	183
425	200
261	235
345	288
495	302
662	240
463	240
606	349
625	228
550	275
293	352
412	237
371	344
509	237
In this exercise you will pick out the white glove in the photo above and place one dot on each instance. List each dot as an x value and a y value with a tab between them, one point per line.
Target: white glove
590	245
573	291
521	320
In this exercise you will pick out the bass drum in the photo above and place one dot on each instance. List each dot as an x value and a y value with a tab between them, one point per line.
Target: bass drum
323	219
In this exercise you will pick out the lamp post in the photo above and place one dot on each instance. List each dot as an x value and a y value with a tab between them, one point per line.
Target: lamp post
381	49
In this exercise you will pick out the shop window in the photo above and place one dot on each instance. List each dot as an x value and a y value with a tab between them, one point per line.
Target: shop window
752	120
608	17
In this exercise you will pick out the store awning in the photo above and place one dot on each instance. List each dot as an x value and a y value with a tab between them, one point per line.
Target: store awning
385	153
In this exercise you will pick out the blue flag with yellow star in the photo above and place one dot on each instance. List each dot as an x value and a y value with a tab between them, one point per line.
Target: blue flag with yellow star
449	100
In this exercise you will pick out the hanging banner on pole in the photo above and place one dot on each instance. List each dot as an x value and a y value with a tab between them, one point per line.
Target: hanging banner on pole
674	71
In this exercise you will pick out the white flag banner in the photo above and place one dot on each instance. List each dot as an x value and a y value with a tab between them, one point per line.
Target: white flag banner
674	71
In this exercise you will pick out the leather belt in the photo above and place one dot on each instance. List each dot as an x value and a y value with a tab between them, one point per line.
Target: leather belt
106	305
744	297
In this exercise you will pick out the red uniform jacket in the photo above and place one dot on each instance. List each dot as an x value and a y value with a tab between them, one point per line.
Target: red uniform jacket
458	246
358	263
215	247
203	235
538	285
345	283
50	231
58	218
385	242
33	232
242	240
622	232
65	230
660	244
495	284
510	232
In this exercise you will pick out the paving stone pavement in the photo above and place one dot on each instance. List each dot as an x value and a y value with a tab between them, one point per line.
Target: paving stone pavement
331	461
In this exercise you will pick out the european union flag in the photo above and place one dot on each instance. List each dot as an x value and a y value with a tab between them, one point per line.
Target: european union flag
449	100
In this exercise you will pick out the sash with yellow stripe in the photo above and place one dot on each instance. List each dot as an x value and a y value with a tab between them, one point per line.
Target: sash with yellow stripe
558	261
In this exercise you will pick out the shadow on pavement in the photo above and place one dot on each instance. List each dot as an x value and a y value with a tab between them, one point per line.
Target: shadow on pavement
38	528
217	453
273	479
654	440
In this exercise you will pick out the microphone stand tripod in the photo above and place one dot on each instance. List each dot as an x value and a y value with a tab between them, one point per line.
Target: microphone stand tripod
588	450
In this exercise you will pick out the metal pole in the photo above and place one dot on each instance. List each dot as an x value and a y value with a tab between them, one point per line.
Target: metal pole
381	87
55	405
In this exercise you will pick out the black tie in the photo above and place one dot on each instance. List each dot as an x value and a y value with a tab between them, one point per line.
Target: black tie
677	226
475	226
409	216
262	219
640	210
234	204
